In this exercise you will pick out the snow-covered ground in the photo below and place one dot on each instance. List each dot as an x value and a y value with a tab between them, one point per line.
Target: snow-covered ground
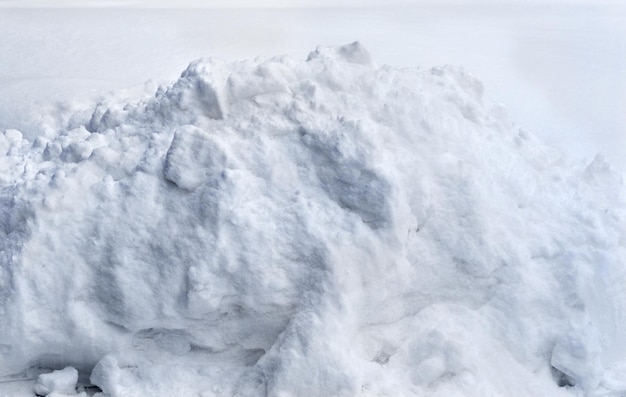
315	224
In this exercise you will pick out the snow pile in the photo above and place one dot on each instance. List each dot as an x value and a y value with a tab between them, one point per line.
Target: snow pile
318	228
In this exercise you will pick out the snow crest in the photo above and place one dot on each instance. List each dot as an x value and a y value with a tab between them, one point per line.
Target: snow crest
318	228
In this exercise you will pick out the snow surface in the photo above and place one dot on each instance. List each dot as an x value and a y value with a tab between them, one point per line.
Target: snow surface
309	228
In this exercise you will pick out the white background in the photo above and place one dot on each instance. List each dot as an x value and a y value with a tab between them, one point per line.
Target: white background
559	67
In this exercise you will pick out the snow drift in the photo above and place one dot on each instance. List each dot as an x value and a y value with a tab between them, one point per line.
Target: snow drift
318	228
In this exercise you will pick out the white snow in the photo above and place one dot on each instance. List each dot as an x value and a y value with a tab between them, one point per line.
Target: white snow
322	227
58	383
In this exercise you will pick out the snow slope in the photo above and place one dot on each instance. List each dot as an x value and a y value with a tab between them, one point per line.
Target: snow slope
314	228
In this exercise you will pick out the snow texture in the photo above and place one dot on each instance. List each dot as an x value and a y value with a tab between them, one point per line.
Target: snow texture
319	228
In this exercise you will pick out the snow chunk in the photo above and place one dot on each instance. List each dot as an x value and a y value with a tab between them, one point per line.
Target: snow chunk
106	375
57	382
353	53
578	359
194	157
198	91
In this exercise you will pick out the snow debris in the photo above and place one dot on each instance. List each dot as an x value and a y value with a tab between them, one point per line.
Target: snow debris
58	383
317	228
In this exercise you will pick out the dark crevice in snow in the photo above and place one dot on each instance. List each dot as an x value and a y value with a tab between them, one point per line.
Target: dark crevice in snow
561	378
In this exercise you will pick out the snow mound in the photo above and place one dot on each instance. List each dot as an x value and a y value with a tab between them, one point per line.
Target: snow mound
318	228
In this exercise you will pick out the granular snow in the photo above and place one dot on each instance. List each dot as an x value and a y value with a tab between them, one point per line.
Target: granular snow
317	228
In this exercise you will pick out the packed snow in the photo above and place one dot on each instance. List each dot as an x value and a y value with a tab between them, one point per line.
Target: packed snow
57	383
318	227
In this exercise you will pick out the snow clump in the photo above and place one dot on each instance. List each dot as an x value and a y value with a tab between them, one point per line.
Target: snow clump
58	383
